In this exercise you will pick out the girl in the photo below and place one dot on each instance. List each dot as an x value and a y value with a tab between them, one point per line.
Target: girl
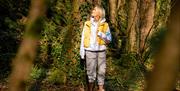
95	36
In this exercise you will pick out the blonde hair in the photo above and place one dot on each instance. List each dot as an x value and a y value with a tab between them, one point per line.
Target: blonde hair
101	11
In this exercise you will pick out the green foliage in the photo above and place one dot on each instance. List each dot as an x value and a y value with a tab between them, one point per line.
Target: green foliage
10	31
58	60
85	10
128	61
60	42
156	41
37	73
163	6
56	76
162	12
122	17
11	24
125	73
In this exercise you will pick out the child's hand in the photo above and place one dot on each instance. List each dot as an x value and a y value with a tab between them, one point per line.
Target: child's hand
101	35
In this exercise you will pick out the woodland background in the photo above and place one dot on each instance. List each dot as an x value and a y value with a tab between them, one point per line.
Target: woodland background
138	29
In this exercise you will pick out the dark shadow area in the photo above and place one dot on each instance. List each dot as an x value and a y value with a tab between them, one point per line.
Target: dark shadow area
9	41
36	86
128	72
10	32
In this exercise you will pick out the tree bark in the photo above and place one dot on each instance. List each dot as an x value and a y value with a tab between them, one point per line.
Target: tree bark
147	18
132	26
118	4
167	61
112	11
26	54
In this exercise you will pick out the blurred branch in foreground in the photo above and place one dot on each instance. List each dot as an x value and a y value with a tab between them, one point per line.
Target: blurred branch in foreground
167	61
26	54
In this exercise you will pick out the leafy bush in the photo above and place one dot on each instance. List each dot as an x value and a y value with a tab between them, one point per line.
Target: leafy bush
124	73
156	40
37	73
56	76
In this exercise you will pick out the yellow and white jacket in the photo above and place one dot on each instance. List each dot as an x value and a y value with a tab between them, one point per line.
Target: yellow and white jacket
94	35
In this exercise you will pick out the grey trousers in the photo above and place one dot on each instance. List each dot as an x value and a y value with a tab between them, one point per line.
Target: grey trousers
96	65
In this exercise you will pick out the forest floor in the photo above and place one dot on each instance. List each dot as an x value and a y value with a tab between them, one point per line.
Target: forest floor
44	87
39	86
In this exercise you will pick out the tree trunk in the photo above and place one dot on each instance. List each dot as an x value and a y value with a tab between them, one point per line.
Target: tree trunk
118	4
76	8
26	54
167	61
132	26
147	18
113	10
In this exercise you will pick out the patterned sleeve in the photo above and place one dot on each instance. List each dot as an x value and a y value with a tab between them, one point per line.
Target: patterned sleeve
108	34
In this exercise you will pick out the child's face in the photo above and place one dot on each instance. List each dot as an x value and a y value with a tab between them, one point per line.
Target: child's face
95	12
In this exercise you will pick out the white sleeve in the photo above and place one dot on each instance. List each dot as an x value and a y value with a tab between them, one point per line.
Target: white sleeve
82	50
